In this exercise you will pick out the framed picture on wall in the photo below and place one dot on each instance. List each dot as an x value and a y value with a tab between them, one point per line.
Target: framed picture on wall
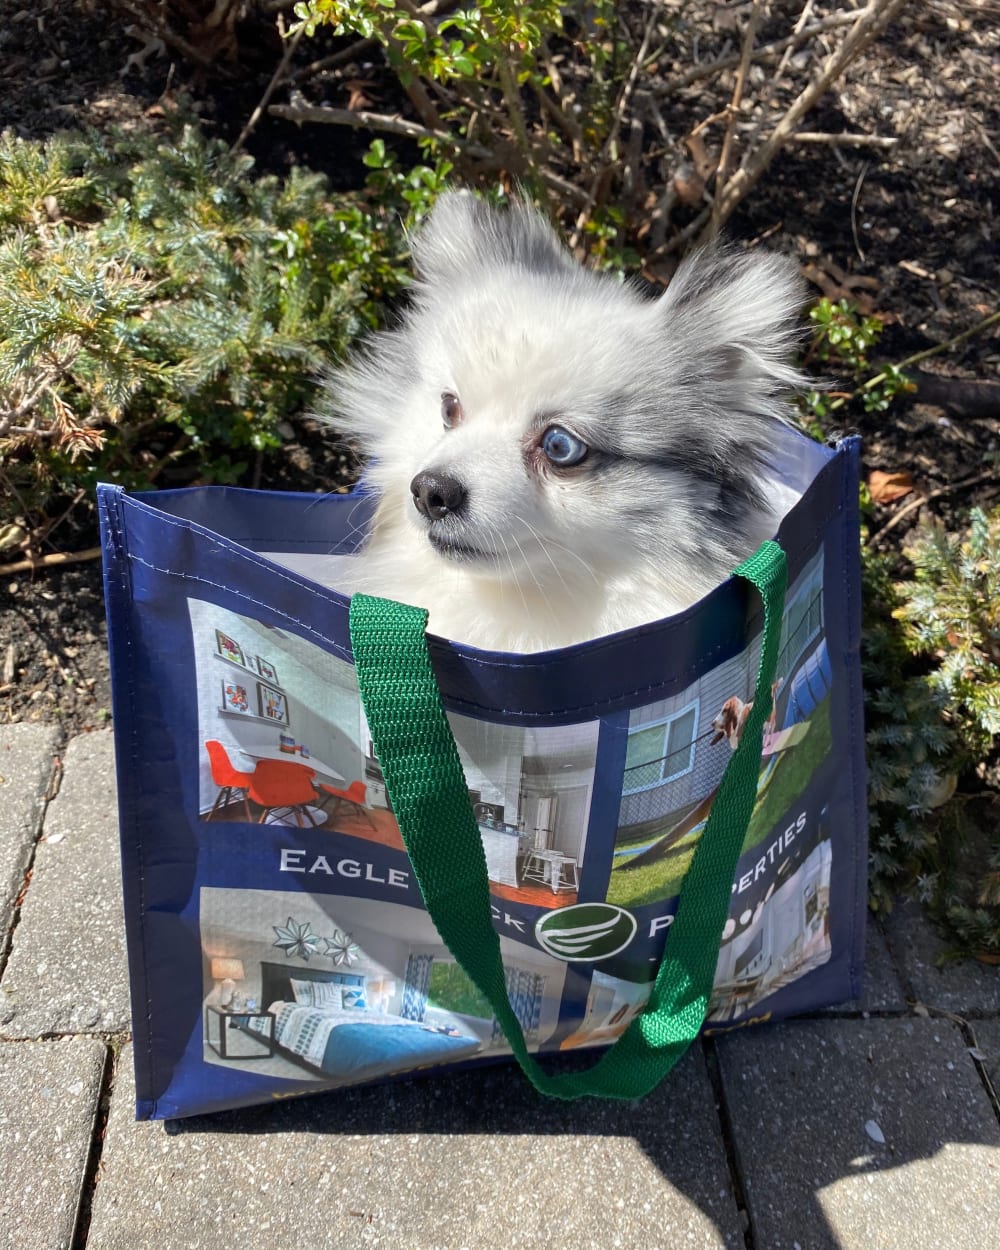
266	669
235	698
229	648
272	704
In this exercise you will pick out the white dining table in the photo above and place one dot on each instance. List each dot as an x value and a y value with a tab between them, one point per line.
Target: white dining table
325	772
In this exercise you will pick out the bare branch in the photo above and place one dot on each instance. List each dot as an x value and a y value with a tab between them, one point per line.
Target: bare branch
56	558
766	52
756	13
843	140
361	119
607	147
276	77
870	23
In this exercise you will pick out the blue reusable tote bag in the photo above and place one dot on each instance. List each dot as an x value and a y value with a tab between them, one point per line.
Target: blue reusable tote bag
352	851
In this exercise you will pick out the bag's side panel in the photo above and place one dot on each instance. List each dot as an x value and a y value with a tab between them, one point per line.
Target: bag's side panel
145	777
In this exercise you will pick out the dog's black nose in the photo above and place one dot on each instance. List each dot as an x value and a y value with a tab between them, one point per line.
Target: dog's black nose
437	494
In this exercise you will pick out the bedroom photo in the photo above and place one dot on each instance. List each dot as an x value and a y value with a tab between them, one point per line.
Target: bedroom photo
350	990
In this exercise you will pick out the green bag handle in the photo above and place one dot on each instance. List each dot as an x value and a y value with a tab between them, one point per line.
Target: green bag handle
427	788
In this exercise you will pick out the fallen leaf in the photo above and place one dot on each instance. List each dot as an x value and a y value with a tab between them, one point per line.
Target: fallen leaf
874	1132
886	487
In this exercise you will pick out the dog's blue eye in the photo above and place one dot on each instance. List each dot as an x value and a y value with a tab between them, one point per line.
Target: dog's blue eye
561	447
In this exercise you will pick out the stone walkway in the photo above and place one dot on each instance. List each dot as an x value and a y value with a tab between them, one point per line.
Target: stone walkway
866	1127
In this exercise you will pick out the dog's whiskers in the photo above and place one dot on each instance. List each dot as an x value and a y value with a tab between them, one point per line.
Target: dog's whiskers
513	570
538	585
545	544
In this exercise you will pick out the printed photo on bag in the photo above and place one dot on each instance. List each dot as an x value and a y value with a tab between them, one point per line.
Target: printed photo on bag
349	990
296	753
301	756
777	938
530	791
612	1005
677	752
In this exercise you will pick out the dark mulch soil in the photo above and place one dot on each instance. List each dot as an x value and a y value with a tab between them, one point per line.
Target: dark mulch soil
910	233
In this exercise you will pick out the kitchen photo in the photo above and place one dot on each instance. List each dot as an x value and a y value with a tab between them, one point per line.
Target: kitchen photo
531	791
346	990
282	738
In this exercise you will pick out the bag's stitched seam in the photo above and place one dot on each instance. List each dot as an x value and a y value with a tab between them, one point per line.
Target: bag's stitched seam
117	526
624	696
239	594
850	559
241	553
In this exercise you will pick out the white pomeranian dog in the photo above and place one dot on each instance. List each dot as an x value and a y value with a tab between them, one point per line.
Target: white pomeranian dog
558	456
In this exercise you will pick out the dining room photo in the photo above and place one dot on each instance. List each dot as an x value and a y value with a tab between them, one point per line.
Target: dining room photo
281	735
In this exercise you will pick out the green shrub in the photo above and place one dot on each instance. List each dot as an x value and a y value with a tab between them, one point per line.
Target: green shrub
932	672
951	611
158	301
843	338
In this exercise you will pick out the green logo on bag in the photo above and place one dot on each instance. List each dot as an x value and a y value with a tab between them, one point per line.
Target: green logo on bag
586	932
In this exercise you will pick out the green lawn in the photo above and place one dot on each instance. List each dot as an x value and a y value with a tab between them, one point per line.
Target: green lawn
662	879
791	776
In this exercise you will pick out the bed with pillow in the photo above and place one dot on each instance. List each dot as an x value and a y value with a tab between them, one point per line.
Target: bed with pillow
323	1022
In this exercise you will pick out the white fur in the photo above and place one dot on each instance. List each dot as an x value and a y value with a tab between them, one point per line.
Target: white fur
676	397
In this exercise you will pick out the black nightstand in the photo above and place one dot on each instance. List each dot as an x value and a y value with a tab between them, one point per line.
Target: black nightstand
234	1020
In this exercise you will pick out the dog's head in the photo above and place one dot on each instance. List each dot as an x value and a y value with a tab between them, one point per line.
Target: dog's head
727	723
536	421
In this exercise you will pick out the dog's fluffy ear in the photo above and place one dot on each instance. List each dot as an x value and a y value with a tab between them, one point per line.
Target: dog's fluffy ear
464	234
737	315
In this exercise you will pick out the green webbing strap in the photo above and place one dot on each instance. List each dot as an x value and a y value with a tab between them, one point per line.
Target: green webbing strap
427	788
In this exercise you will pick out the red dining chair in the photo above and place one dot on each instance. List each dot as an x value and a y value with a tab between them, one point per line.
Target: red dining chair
231	782
356	795
283	788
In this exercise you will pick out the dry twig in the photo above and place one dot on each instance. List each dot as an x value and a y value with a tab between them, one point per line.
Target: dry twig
732	112
869	24
766	52
56	558
913	504
276	77
844	140
608	147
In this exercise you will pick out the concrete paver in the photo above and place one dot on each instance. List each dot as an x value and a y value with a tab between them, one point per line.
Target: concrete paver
953	986
26	754
67	970
473	1160
49	1094
860	1134
882	990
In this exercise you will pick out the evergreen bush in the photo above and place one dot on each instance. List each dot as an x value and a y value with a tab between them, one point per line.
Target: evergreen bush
932	672
159	302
